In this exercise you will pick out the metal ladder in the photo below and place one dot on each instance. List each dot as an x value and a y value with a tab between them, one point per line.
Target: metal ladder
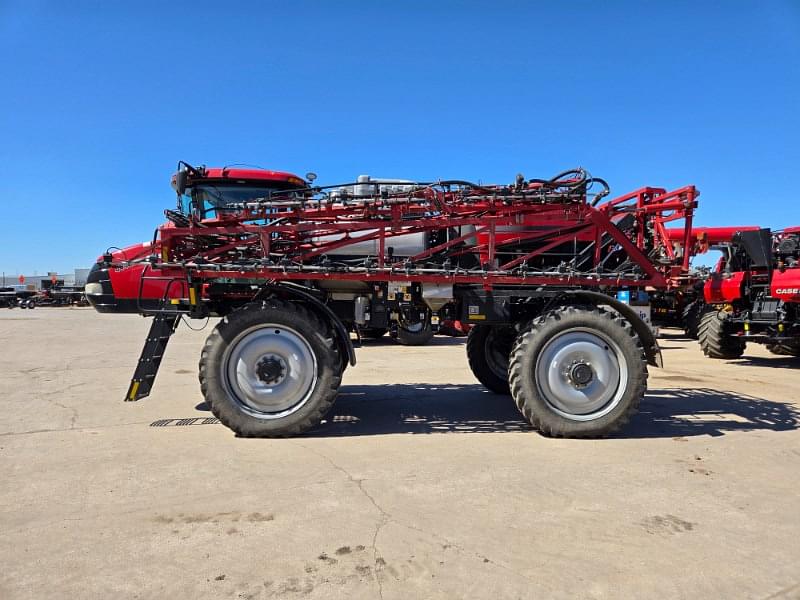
144	376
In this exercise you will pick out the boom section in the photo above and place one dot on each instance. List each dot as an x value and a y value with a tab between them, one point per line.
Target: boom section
536	233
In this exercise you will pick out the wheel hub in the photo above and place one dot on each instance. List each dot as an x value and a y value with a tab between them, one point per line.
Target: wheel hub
580	374
271	369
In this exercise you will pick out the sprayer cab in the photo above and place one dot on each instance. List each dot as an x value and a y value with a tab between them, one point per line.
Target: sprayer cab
217	194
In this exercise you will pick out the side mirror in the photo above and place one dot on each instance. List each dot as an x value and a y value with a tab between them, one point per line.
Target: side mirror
180	181
311	177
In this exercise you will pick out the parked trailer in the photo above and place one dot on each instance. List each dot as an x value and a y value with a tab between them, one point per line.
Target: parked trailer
15	298
533	267
61	295
8	297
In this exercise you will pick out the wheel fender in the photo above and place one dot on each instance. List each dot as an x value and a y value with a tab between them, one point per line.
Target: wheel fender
315	304
649	343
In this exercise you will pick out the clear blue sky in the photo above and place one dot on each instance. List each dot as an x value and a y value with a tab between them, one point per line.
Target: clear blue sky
100	99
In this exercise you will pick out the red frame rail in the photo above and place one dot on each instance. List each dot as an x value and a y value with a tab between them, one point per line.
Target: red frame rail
282	239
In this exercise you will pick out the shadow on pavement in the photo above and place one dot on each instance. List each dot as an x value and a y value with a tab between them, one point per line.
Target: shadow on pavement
674	334
782	362
420	408
437	340
680	412
424	408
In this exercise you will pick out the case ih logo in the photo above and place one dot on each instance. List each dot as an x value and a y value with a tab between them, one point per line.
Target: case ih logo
788	291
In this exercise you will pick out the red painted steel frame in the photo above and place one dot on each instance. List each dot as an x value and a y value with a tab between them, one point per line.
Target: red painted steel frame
304	229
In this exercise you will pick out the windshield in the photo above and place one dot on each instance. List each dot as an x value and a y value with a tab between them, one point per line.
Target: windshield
212	199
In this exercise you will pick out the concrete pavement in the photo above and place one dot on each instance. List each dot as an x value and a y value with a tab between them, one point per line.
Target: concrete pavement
421	485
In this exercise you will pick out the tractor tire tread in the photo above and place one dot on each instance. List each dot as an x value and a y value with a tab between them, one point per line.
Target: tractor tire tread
691	315
476	358
714	341
783	349
549	423
243	425
414	338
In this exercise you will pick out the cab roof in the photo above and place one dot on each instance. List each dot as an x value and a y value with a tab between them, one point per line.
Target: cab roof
252	174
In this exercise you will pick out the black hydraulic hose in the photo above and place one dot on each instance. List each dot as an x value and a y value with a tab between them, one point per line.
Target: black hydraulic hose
556	181
605	192
581	173
464	183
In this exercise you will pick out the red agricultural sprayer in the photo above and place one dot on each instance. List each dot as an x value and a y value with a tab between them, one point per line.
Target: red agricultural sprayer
541	268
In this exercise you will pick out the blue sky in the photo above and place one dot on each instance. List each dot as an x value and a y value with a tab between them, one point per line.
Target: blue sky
100	99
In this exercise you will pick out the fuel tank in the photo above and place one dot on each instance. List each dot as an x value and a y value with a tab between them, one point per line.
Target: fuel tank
402	245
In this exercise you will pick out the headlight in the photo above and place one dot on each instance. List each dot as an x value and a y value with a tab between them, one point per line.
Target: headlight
93	289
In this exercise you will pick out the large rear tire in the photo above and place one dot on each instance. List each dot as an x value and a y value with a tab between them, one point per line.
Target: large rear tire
692	313
784	349
270	369
715	339
488	349
578	372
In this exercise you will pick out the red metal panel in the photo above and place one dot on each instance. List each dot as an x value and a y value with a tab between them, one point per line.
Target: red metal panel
724	289
786	285
253	175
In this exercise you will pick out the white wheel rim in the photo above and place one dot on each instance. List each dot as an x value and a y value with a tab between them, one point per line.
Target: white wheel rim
270	371
581	374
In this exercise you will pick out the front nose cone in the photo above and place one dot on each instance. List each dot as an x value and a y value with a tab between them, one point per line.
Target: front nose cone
98	290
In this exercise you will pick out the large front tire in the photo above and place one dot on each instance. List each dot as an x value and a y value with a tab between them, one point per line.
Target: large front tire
270	369
578	372
715	340
488	349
